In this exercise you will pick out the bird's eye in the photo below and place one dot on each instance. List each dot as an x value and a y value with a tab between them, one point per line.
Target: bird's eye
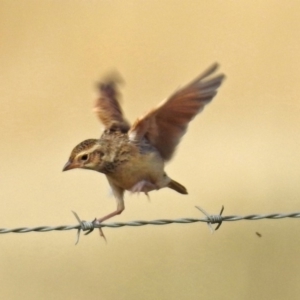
84	157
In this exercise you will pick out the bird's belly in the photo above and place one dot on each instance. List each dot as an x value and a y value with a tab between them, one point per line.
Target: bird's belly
149	167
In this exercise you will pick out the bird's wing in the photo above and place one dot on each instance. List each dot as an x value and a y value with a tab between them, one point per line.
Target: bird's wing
107	106
164	125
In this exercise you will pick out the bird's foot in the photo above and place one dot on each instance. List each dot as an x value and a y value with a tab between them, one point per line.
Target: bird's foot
143	186
98	221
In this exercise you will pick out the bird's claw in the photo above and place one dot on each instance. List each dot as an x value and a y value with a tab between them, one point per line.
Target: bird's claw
98	221
94	222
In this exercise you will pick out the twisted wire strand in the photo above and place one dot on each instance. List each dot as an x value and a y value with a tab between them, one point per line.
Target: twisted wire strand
210	219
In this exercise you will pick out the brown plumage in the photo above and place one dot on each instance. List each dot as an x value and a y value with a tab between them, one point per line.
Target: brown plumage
132	158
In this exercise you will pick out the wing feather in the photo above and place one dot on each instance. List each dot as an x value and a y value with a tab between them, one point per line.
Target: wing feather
164	125
107	107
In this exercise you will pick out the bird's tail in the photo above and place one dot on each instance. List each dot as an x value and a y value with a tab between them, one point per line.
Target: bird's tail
174	185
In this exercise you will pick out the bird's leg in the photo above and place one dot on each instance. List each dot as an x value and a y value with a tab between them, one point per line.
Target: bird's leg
118	211
118	193
143	186
120	208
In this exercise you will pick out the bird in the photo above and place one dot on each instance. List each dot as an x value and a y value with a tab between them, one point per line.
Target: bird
133	157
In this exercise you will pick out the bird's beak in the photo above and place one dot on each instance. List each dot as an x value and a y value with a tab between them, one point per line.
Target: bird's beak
69	166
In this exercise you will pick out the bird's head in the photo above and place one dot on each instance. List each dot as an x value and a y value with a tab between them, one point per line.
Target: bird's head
86	155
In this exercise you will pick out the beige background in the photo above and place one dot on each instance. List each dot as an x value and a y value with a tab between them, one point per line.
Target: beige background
243	151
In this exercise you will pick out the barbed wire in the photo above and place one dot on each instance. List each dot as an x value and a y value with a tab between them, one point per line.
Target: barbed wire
209	219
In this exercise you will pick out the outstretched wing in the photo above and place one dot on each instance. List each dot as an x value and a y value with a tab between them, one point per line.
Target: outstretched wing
164	125
107	106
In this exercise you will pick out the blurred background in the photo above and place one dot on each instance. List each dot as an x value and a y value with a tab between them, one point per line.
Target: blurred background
241	152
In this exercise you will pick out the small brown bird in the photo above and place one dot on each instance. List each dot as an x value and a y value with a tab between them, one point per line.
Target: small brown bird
133	157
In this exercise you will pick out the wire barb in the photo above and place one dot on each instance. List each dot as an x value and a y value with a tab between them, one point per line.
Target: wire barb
84	226
213	219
